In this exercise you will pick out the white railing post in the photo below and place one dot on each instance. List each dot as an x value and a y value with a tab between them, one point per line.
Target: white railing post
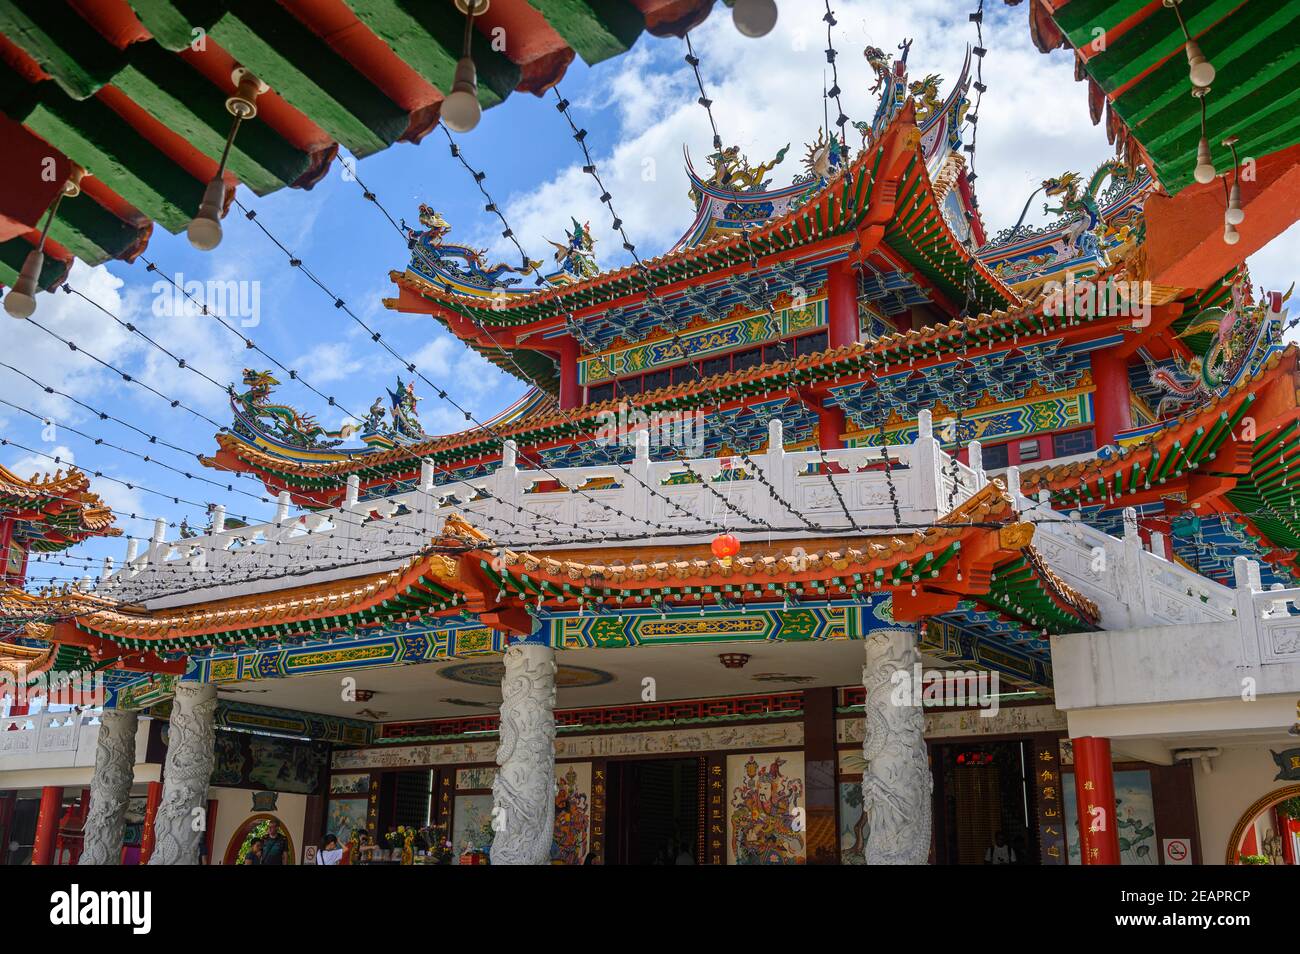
108	568
1246	575
353	492
924	470
975	455
218	519
506	484
282	507
1158	543
426	476
640	470
774	462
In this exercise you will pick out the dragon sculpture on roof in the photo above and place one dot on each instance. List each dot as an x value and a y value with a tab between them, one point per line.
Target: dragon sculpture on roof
438	260
256	415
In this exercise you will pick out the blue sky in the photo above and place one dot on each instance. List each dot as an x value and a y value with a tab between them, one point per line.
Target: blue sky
640	111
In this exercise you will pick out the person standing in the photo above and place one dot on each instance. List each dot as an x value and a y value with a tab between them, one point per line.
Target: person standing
254	854
330	852
1000	853
274	844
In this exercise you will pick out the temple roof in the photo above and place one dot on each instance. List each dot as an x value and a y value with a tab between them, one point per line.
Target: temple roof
979	552
52	512
1205	454
916	230
1131	57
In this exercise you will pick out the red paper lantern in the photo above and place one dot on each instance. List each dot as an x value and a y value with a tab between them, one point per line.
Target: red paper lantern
725	546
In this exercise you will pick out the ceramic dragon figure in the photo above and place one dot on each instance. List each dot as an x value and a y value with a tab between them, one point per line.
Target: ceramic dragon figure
432	255
732	171
1242	333
285	423
576	257
1078	201
406	420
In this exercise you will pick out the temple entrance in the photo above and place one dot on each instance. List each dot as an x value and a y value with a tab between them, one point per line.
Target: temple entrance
981	791
654	812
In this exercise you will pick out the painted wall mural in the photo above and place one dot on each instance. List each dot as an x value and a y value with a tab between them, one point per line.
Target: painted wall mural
614	745
349	784
853	824
765	817
1135	815
471	827
345	815
476	777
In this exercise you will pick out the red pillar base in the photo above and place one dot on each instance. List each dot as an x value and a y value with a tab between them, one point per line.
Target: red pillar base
1094	789
47	825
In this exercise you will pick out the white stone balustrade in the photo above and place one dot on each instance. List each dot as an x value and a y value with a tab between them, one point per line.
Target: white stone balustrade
574	506
1270	619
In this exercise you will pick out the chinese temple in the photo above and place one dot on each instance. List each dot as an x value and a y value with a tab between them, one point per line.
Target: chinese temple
839	533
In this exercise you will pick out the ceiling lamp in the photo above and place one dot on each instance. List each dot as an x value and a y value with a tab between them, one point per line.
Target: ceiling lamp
1235	214
1204	172
460	110
1200	69
20	300
733	660
204	230
754	18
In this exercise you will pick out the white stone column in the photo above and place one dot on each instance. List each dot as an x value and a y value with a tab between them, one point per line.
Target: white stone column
896	784
110	788
523	795
190	739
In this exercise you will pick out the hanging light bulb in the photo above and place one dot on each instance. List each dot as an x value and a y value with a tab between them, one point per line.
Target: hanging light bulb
754	18
204	230
1201	69
20	300
460	110
1235	214
1204	172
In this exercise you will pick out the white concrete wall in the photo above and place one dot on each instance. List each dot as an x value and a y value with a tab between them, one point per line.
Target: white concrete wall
1161	664
71	766
1241	775
235	806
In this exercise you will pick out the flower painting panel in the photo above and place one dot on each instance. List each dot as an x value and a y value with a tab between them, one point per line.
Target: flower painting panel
1135	817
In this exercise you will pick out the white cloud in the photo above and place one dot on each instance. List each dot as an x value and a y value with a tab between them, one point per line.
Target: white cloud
768	92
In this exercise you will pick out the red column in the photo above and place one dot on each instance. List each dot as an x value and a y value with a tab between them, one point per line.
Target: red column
570	389
1110	402
842	304
211	831
47	825
150	813
830	427
1094	789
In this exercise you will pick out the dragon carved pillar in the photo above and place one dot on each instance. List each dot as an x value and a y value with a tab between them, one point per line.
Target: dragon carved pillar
110	788
896	783
523	795
190	739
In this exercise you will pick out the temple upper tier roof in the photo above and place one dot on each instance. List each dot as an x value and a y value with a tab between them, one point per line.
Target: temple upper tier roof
53	511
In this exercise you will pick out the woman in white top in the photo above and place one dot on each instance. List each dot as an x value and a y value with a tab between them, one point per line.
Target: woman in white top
330	852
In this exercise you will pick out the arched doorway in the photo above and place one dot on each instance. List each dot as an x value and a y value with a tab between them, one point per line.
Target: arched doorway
255	826
1244	840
